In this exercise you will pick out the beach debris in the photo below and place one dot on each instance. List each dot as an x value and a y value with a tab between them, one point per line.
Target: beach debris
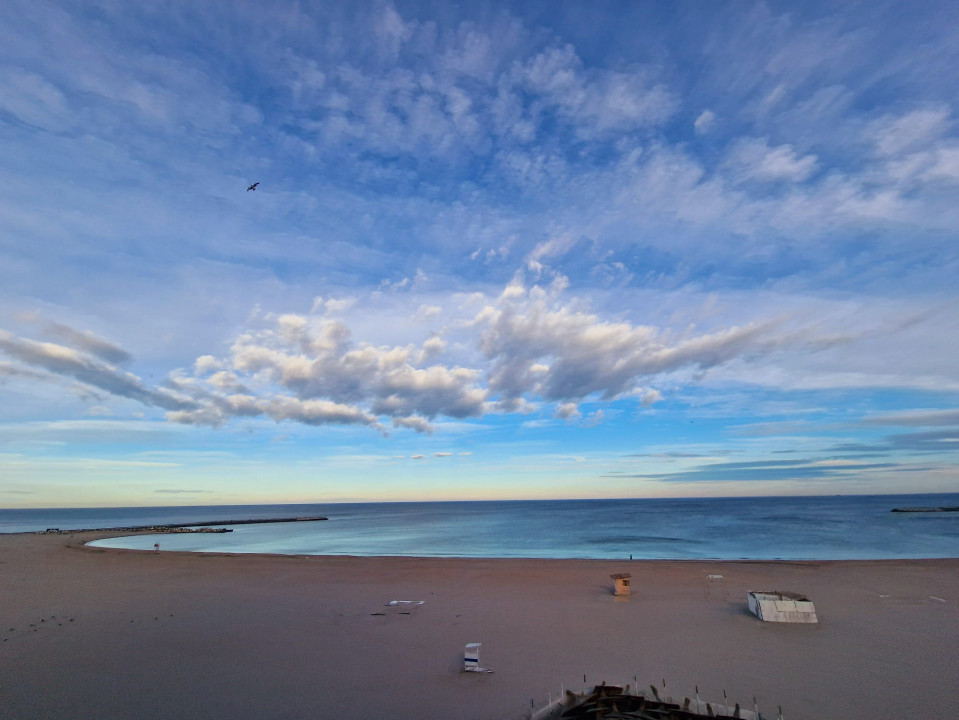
404	607
400	607
620	583
471	659
715	585
779	606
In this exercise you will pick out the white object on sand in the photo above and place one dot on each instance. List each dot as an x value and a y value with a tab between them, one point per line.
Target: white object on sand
471	659
778	606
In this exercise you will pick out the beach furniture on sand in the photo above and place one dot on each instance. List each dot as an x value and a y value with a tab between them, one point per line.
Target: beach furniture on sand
620	583
471	659
778	606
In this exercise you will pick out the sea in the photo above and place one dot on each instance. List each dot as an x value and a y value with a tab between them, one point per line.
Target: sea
755	528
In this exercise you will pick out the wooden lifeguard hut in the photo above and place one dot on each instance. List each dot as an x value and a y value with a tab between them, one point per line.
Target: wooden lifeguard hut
620	583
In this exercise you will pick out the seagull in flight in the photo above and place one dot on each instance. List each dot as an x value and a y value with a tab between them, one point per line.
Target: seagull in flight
252	187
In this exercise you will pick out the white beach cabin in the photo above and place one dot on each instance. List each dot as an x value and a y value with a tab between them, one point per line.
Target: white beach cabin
778	606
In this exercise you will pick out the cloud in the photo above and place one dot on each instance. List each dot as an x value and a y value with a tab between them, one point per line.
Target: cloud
930	441
419	424
919	418
649	397
33	100
595	100
84	341
9	370
64	361
567	411
529	345
429	311
915	130
543	348
316	374
765	470
753	159
704	122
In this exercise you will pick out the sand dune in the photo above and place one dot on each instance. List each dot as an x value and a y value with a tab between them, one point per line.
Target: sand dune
92	633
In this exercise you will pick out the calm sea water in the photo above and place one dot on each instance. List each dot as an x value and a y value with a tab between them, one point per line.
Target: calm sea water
849	527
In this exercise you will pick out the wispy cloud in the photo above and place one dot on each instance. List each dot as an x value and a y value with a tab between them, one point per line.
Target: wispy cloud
65	361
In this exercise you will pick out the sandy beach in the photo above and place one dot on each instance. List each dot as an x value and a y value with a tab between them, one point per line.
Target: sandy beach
93	633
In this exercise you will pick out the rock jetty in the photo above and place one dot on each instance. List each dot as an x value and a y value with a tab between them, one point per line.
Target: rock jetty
189	527
946	508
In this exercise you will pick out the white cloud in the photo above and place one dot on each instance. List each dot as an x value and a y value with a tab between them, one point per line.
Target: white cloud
419	424
649	396
704	122
529	346
64	361
913	131
429	311
753	159
567	411
586	355
920	418
596	101
34	100
84	341
205	364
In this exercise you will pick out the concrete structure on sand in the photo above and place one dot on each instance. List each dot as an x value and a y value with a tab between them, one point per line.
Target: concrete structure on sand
778	606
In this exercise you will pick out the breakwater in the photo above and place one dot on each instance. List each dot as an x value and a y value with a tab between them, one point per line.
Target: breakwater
181	527
945	508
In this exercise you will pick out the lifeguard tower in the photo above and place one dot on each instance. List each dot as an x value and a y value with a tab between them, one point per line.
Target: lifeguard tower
620	583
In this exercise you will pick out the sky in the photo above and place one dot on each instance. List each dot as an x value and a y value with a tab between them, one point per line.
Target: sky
497	250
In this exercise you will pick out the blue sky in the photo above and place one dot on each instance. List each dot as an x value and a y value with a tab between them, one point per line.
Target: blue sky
526	250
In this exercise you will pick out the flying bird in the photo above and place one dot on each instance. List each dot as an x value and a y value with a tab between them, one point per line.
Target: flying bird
252	187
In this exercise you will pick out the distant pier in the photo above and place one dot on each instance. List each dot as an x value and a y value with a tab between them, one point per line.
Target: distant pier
175	527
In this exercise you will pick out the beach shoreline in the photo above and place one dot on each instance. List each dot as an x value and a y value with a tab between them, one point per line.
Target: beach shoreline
102	632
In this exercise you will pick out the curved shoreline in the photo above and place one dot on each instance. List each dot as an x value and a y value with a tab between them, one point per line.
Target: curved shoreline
120	533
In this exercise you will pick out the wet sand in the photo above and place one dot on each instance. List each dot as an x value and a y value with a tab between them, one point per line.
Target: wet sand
94	633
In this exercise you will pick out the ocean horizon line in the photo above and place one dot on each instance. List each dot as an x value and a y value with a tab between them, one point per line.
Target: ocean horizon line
696	498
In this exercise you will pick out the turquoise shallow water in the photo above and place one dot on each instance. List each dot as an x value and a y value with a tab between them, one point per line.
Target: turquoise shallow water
847	527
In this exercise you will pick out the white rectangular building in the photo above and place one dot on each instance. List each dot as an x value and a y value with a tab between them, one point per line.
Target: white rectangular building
778	606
